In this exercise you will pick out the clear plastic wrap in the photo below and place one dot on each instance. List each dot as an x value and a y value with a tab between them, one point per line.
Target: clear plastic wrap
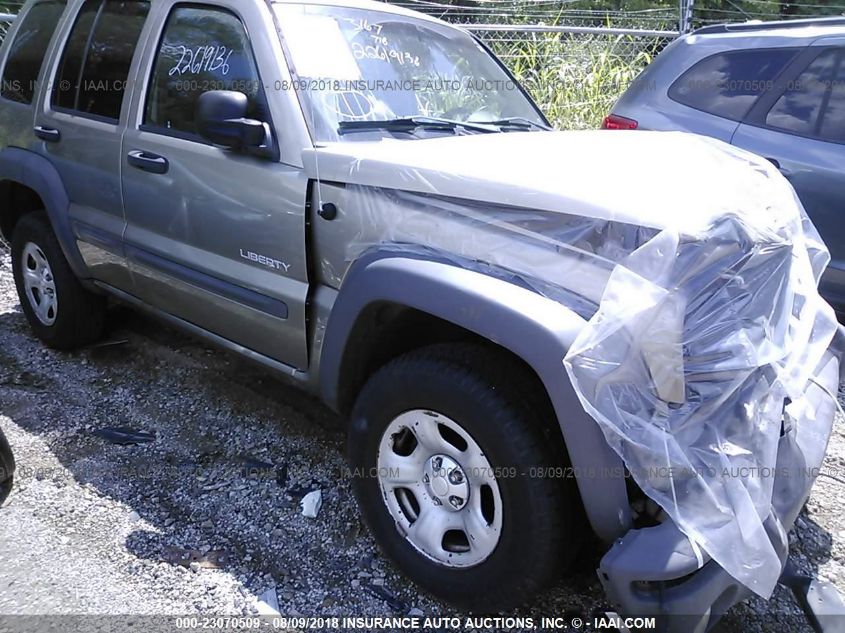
696	348
695	267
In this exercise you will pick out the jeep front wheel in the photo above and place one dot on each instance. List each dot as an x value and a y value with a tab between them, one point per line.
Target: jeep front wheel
449	449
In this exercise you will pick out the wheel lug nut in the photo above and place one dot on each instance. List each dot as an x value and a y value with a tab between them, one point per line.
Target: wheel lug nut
455	501
425	478
456	477
437	501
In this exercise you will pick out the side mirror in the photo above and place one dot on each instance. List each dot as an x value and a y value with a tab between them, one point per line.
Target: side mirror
221	119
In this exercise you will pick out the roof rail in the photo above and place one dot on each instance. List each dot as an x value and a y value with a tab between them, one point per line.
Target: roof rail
757	25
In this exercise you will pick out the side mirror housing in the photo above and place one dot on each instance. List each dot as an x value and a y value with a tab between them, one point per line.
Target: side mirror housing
221	119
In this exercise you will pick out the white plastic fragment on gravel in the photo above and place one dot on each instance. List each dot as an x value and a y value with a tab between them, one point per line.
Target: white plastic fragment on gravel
268	603
311	504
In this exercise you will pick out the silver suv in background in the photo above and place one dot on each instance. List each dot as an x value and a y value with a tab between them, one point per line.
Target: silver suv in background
776	89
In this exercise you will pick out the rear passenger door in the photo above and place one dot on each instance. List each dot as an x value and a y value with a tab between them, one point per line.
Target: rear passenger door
216	237
80	119
801	128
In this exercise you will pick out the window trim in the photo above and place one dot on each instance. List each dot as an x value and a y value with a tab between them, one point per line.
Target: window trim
756	117
84	115
19	19
57	64
94	25
797	54
151	128
171	133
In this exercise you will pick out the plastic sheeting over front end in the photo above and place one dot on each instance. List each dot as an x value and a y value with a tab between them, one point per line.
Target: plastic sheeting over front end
699	345
705	326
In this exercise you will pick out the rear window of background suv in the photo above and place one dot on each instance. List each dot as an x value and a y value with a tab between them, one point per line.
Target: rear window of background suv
727	84
27	52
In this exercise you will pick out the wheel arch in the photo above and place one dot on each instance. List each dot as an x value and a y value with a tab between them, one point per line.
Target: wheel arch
385	292
27	180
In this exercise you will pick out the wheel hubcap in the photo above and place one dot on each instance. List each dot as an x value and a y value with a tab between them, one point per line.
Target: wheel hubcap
439	488
39	284
446	483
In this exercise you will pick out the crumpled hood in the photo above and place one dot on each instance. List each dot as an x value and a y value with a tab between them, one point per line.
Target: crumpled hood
689	179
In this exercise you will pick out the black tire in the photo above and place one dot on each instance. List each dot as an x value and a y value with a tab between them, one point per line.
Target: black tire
499	406
80	315
7	468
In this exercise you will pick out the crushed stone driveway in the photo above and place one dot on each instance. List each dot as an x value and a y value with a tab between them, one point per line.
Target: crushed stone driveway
205	519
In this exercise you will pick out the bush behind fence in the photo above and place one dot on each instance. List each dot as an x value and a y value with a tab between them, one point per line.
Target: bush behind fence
574	76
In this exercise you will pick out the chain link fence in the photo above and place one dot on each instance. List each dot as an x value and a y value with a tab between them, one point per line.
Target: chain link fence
574	57
574	60
575	74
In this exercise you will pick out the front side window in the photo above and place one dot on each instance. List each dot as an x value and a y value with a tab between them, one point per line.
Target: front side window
368	65
814	103
94	67
202	49
728	84
27	51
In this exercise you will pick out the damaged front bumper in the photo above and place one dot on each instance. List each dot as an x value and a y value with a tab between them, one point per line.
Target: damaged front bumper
658	571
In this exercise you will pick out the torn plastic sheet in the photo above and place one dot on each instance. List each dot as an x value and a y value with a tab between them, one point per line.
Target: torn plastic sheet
704	319
690	376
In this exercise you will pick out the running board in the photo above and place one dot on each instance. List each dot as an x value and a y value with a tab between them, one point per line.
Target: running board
218	341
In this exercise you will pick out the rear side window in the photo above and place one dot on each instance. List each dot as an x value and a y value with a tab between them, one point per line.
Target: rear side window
27	51
832	126
95	64
202	49
814	103
728	84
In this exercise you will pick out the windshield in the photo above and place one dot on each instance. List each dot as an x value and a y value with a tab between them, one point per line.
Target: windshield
365	65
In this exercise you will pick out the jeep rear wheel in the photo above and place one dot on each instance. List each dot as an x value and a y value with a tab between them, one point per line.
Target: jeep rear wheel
61	313
448	449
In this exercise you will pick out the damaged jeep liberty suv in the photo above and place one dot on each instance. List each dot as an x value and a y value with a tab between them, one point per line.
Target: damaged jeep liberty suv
533	334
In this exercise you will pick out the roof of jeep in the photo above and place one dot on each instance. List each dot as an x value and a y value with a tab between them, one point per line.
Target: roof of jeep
370	5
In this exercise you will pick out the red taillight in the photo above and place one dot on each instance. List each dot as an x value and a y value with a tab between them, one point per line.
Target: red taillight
616	122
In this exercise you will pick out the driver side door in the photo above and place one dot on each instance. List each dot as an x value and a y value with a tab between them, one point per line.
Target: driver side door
214	237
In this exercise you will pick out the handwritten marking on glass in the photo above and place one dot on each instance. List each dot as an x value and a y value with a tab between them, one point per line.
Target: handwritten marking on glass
202	59
380	47
363	24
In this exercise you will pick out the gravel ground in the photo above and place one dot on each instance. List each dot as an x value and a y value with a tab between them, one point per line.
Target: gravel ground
95	527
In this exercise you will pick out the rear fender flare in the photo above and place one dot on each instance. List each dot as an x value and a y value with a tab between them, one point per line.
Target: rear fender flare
36	172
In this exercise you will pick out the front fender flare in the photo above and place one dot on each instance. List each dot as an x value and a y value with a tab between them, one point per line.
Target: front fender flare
536	329
36	172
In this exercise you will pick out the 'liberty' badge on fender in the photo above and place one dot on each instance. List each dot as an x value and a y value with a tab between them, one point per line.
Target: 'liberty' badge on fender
264	260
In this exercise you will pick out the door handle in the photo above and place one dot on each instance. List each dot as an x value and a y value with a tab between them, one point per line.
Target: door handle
152	163
776	163
48	134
